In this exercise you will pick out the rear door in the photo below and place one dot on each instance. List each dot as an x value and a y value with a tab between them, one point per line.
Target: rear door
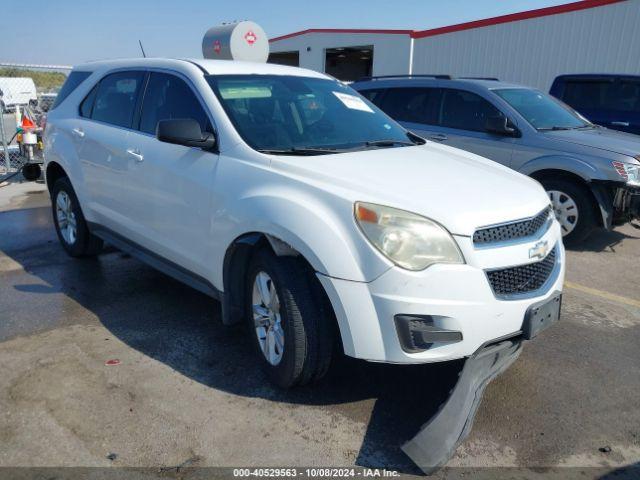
462	119
106	117
171	185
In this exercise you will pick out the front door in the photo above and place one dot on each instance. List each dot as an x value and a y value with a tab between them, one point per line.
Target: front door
463	116
170	195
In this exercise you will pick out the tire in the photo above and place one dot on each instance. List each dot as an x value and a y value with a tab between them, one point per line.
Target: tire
82	243
301	318
31	172
570	197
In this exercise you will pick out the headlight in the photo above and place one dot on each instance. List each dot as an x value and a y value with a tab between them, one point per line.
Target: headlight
628	171
409	240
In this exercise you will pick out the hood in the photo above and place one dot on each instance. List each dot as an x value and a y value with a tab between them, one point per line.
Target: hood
600	138
457	189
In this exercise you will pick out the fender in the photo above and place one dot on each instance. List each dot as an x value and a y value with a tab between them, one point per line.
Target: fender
569	164
330	242
590	175
326	237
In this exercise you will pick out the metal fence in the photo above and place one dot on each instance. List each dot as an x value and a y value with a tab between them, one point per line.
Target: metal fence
27	92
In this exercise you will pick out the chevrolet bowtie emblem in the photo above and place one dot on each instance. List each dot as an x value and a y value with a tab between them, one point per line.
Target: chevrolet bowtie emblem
539	250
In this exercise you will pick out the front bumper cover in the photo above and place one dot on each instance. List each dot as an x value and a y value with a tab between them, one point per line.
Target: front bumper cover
437	440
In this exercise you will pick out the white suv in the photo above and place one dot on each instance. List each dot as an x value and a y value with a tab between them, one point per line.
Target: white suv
307	211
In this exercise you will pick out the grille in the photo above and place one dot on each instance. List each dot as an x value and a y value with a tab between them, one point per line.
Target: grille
522	279
512	231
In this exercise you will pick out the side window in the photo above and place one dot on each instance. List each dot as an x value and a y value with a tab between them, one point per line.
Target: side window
74	79
465	110
417	105
585	95
625	97
115	101
87	104
168	97
374	96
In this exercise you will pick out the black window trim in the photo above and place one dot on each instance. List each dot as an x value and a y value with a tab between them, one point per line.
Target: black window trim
135	124
187	80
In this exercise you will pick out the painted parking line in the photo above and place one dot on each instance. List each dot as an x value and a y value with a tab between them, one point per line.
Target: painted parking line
602	294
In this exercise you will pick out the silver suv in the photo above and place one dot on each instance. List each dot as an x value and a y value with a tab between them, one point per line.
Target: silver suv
592	174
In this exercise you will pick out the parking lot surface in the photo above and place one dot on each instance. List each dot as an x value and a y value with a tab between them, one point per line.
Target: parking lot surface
187	389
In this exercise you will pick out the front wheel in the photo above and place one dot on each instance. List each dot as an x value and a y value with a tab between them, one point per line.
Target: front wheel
574	209
287	319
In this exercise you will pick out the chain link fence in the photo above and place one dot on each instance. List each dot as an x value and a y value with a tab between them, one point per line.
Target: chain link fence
27	92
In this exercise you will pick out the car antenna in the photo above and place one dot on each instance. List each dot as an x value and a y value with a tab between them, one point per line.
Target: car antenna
144	55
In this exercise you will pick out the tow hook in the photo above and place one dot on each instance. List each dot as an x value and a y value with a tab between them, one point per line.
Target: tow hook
437	440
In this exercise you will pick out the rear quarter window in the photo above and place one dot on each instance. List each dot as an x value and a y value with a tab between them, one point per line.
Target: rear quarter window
73	81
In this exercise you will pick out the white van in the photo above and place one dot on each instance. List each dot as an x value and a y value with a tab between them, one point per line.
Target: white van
16	91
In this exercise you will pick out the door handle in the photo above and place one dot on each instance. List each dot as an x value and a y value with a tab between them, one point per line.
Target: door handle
78	132
438	137
620	124
136	154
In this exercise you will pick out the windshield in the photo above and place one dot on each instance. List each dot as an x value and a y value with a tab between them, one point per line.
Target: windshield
303	115
542	111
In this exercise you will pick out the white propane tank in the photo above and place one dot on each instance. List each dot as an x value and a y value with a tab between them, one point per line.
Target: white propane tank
245	41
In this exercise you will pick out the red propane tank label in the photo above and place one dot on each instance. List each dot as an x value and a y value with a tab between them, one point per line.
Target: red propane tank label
250	37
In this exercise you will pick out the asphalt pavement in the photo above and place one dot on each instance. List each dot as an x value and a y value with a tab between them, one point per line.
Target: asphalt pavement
185	390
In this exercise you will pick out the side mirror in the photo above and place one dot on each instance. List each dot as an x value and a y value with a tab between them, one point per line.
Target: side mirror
500	125
184	131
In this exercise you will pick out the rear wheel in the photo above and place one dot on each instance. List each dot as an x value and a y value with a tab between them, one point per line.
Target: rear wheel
574	209
71	227
287	319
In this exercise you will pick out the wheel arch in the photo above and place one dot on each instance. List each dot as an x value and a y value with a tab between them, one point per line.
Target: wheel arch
559	174
53	173
236	265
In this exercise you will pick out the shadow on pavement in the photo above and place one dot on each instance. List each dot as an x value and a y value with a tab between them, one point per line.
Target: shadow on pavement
601	240
180	327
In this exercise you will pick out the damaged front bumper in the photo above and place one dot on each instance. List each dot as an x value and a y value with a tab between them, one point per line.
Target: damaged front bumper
618	202
437	440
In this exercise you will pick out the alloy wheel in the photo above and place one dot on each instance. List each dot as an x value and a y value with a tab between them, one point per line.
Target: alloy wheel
267	319
66	218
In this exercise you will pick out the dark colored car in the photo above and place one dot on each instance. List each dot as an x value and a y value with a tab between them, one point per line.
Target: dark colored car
612	101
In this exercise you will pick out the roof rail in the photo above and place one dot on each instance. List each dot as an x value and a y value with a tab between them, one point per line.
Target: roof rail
493	79
382	77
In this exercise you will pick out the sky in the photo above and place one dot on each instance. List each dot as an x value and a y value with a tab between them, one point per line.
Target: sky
67	32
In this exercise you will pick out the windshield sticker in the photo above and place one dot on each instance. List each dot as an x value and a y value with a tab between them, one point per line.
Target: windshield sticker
235	93
353	102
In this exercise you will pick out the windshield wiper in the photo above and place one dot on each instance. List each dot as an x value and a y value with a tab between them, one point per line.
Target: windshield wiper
388	143
300	151
554	128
